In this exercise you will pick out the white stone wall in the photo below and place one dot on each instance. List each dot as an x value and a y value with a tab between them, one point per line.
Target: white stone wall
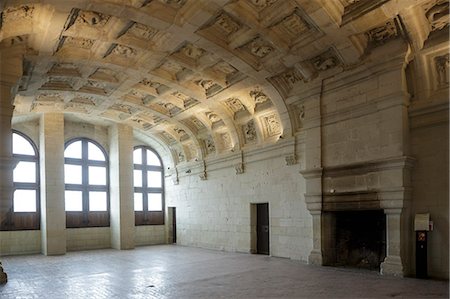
88	238
215	213
430	145
20	242
149	235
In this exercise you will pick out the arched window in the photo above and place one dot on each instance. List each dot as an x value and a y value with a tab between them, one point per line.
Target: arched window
25	211
148	187
86	178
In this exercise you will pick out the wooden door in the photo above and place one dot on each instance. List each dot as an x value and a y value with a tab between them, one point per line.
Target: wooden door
262	228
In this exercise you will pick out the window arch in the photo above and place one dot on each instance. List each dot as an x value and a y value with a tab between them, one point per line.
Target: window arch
148	178
86	177
25	205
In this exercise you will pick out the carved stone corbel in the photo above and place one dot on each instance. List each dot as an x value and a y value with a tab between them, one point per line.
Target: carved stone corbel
291	160
202	176
239	168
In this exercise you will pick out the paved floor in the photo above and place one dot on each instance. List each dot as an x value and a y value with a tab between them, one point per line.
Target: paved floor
170	271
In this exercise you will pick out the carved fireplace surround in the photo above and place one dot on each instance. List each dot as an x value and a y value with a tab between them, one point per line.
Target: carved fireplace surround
374	185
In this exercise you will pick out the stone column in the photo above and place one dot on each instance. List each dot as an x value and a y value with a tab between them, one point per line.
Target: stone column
121	190
53	215
10	73
392	264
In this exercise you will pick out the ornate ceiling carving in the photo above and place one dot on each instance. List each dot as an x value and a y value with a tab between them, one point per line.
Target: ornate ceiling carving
205	77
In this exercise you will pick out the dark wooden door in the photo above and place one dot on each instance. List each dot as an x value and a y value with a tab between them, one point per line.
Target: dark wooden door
174	223
262	228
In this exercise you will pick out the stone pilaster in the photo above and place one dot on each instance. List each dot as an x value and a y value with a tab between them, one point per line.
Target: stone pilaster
10	72
392	264
53	215
313	198
122	190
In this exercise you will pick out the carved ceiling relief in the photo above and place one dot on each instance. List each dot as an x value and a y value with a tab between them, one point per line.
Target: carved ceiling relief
174	3
442	64
294	29
142	31
153	87
285	81
119	112
259	47
20	13
209	87
326	60
77	42
92	18
236	107
59	83
172	71
260	99
189	54
181	133
249	132
438	15
104	74
168	138
226	141
97	87
221	29
48	102
262	4
64	69
122	51
382	34
210	146
144	120
272	125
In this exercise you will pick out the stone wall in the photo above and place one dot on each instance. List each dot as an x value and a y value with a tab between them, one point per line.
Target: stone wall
215	213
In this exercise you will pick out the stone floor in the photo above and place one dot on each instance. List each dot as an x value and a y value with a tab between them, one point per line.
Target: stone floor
170	271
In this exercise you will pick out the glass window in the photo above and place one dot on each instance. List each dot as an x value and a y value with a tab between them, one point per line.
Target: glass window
25	172
154	202
24	200
148	187
86	178
74	200
21	146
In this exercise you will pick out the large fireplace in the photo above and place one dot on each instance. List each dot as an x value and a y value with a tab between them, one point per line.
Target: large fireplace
357	239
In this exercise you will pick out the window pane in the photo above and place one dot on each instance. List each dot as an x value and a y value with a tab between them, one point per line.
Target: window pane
22	146
25	172
97	175
137	156
74	201
73	150
95	153
154	179
138	203
137	177
152	158
25	201
72	174
154	202
97	201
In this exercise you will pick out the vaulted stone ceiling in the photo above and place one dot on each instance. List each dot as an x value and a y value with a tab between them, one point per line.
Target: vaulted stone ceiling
204	77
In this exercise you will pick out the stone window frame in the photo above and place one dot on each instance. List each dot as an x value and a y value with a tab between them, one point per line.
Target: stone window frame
26	220
86	218
146	217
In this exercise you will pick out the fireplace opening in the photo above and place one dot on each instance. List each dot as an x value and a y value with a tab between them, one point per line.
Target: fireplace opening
356	239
